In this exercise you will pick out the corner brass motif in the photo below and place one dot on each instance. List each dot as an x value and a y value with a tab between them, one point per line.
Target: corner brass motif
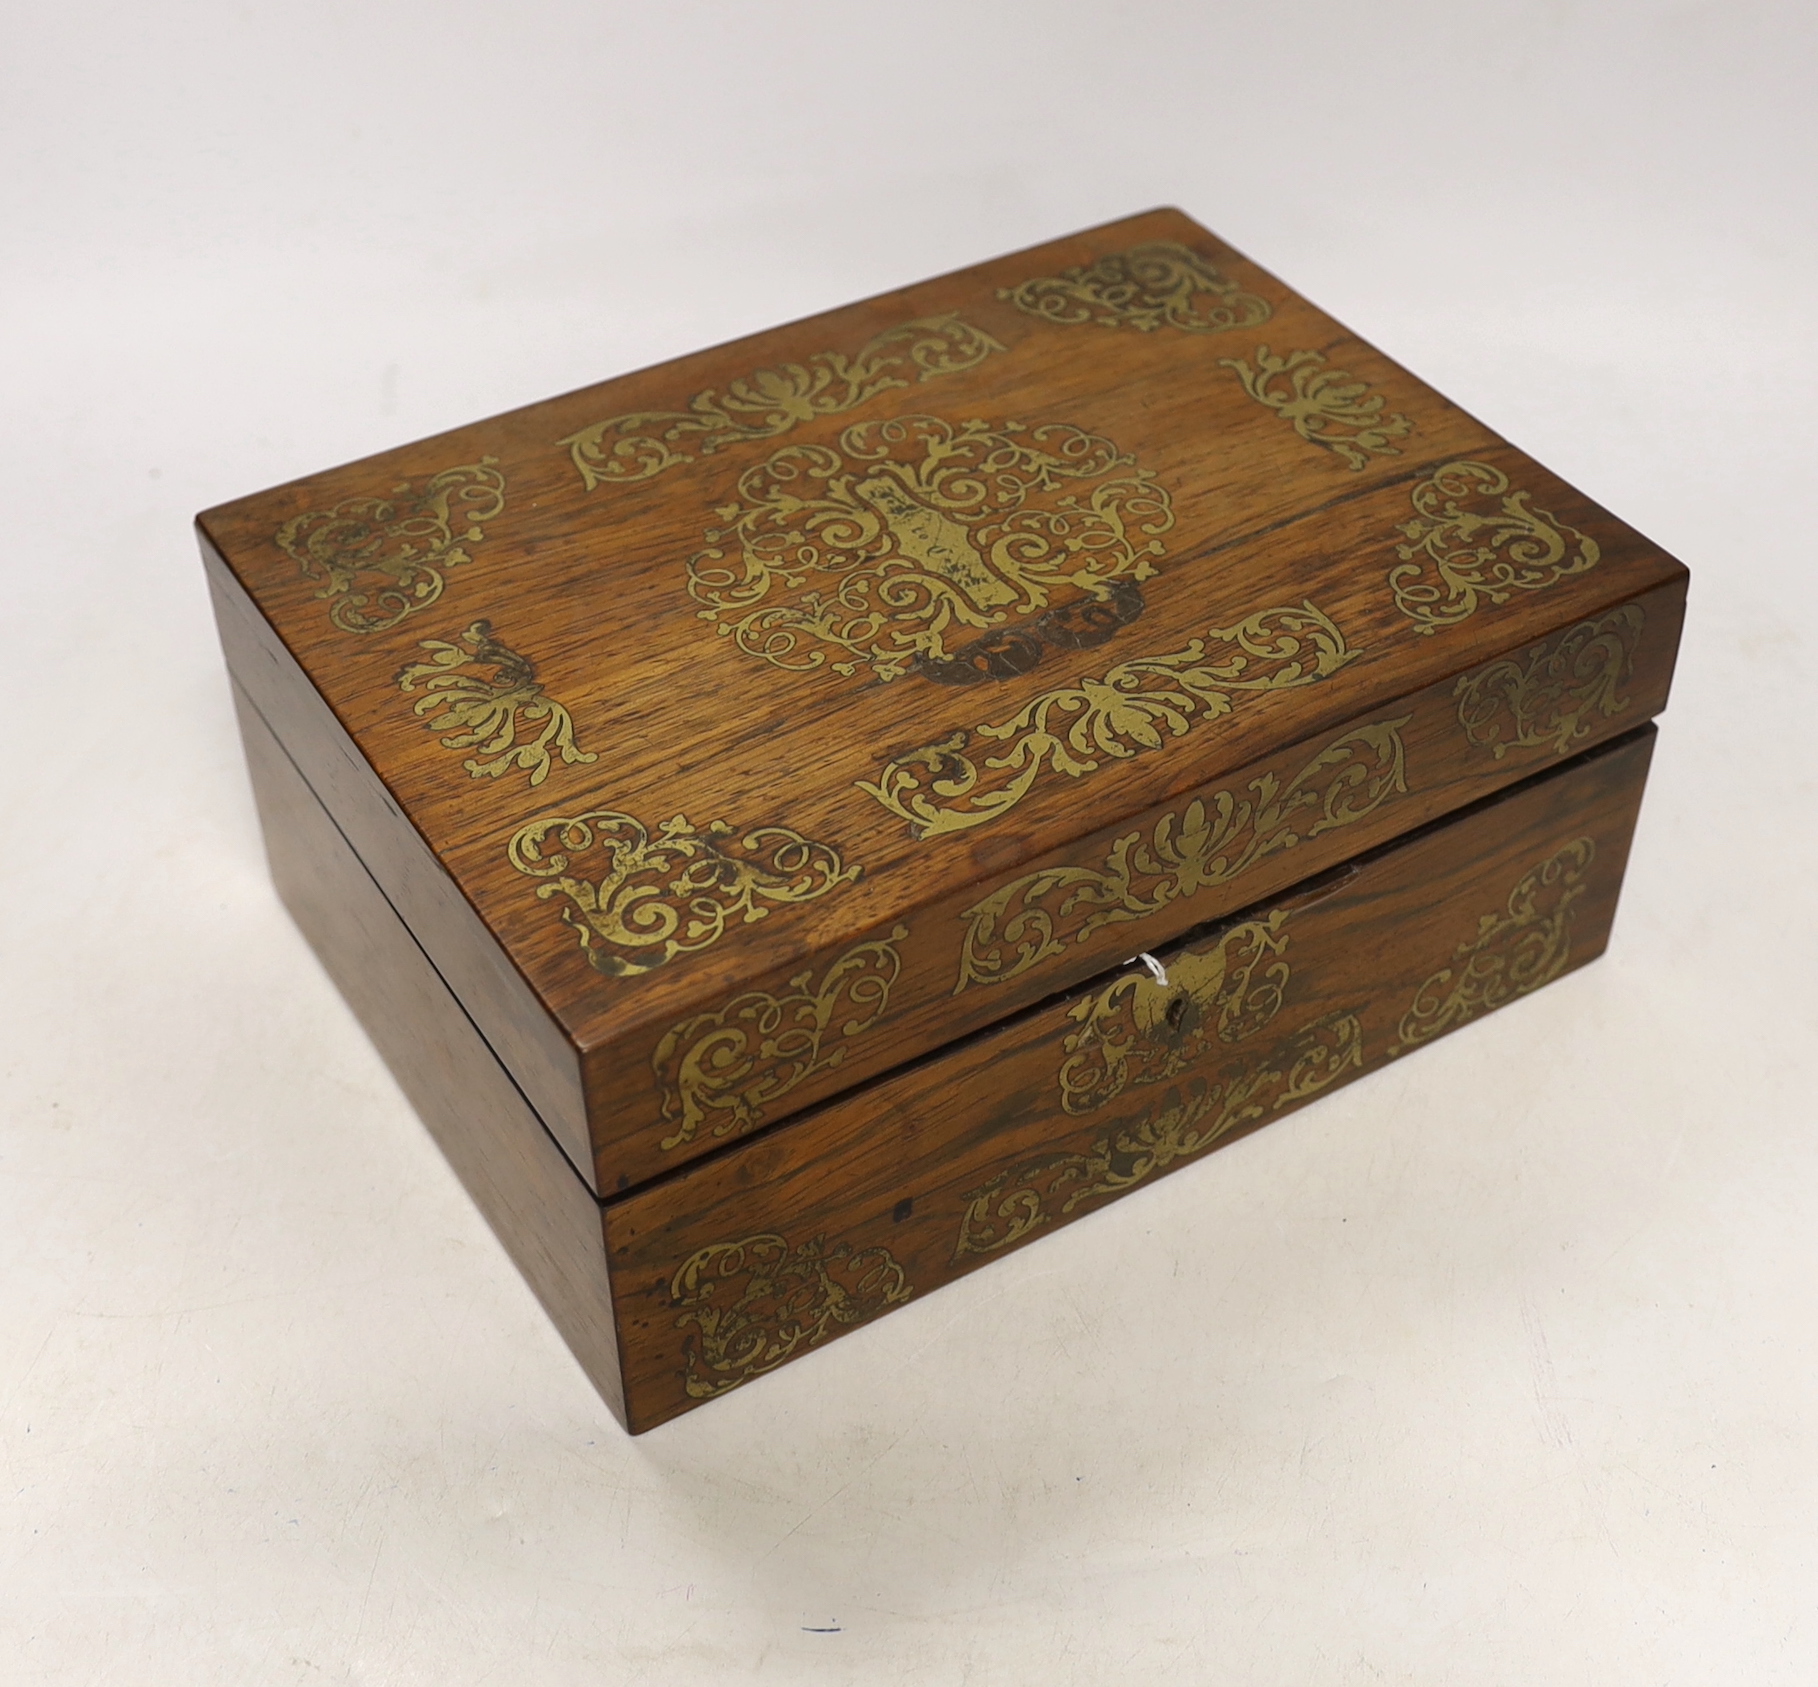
1139	1031
655	897
755	1303
957	550
482	686
1211	841
769	402
1557	694
1018	1202
728	1066
1324	406
1474	540
1514	952
1160	284
381	559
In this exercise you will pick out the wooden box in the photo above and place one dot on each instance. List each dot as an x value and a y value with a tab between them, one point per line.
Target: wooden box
733	795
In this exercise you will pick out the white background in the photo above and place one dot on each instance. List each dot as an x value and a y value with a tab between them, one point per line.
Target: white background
1497	1368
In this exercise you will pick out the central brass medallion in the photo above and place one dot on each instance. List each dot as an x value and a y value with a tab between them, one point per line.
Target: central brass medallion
959	551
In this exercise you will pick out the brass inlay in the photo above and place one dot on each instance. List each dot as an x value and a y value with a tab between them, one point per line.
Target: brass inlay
380	559
650	899
1473	539
769	402
1138	1030
1324	406
1158	284
880	553
1137	706
1513	952
482	686
728	1066
1555	696
1019	1201
755	1303
1210	842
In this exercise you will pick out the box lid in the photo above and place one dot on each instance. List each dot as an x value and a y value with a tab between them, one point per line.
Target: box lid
785	710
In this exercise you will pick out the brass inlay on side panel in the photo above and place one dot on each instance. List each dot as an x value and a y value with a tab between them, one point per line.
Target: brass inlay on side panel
380	559
1160	284
1325	406
1187	1122
653	897
482	687
726	1068
957	550
1472	540
1210	842
1136	707
1518	950
769	402
1557	693
755	1302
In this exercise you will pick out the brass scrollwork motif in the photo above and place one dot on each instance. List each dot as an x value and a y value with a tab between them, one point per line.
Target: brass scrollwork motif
1324	406
653	897
755	1302
1514	952
1139	1030
908	535
381	559
728	1066
1472	539
482	687
1137	706
1212	841
1556	695
1018	1202
769	402
1160	284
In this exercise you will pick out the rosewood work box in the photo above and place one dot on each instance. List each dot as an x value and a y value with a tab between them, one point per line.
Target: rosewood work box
807	818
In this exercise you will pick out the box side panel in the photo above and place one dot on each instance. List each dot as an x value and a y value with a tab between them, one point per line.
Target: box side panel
548	1222
782	1243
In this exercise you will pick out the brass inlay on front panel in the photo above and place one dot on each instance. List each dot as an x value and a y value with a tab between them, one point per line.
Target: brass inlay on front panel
1160	284
1325	406
1556	695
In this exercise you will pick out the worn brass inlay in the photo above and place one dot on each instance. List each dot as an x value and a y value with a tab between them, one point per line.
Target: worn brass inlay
1556	695
380	559
1513	952
1211	841
728	1066
1137	706
958	550
1471	540
1019	1201
756	1302
482	686
651	898
769	402
1158	284
1324	406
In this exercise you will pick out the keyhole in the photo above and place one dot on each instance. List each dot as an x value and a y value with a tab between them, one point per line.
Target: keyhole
1177	1011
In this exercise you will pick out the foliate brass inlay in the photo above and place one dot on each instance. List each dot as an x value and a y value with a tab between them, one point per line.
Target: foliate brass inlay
959	550
1474	540
482	686
1513	952
1557	694
1137	706
1138	1030
380	559
769	402
756	1302
1019	1201
1325	406
650	898
1210	842
1156	285
728	1066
